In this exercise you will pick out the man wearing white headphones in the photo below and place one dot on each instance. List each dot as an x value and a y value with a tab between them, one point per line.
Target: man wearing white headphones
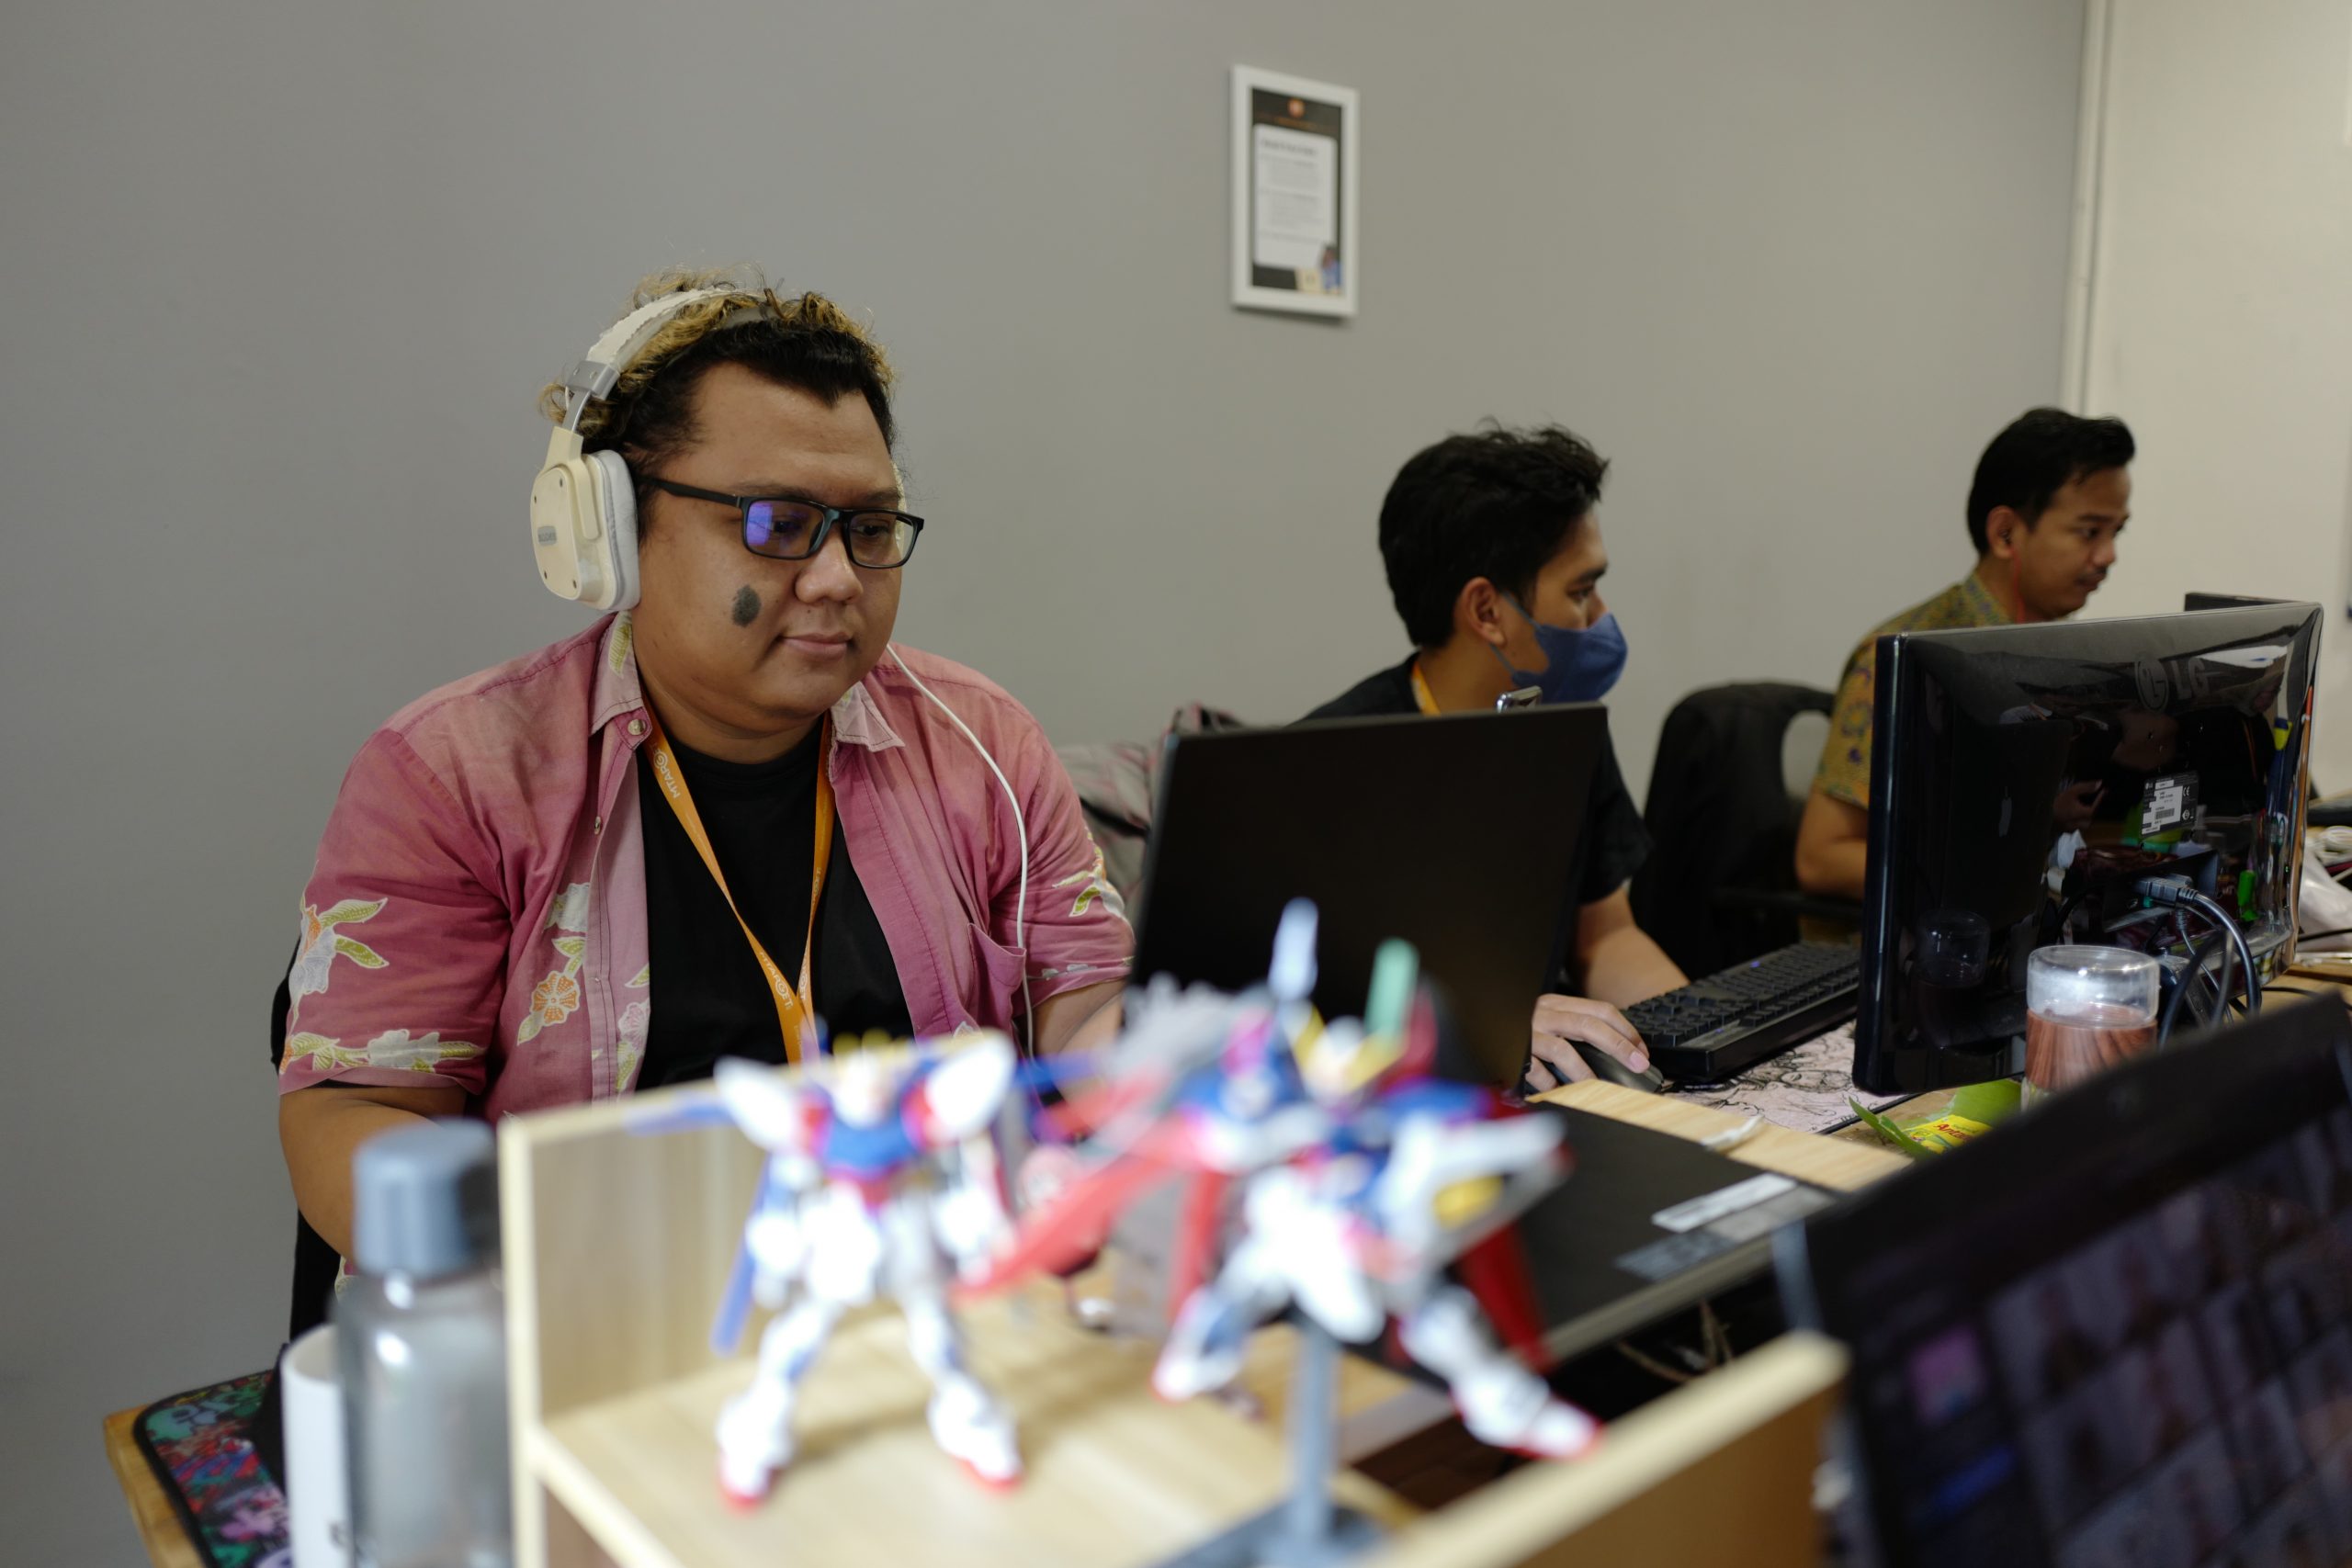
726	808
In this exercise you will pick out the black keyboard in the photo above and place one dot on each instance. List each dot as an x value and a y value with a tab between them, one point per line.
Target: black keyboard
1727	1022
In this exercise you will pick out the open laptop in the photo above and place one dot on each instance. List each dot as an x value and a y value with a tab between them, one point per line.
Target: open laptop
2117	1330
1454	832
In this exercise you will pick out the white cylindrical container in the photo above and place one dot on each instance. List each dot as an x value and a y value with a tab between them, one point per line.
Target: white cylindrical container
318	1500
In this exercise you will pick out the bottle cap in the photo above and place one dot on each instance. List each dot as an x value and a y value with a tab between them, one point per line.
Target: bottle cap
424	1199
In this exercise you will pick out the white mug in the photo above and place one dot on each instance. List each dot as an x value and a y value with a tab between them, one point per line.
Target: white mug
318	1503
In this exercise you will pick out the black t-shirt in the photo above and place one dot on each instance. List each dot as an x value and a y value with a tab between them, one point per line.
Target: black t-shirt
714	1000
1613	844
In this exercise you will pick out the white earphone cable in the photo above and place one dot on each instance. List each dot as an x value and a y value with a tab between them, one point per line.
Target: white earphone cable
1019	827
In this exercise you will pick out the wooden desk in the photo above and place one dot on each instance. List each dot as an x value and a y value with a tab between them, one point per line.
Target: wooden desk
1830	1162
2317	975
1375	1405
2310	978
1826	1162
150	1506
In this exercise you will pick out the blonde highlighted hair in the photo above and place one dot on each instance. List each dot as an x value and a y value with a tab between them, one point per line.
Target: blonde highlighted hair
803	341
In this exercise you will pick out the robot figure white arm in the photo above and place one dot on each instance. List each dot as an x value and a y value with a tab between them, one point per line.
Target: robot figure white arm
1431	1154
780	1116
960	1098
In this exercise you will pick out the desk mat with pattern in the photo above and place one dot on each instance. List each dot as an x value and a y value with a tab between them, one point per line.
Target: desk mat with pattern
201	1447
1805	1088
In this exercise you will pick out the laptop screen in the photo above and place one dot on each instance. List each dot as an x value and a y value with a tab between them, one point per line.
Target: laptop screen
1454	833
2117	1332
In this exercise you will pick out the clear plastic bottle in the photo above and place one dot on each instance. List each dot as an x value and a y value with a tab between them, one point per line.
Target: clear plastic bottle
422	1334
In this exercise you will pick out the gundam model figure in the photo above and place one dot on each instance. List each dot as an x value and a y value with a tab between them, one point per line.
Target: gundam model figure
1361	1181
879	1181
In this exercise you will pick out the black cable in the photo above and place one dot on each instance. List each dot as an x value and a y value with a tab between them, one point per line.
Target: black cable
2223	983
2066	912
2318	936
2198	959
2228	984
2173	895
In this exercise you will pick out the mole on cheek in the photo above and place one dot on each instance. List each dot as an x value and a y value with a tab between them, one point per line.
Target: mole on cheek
747	606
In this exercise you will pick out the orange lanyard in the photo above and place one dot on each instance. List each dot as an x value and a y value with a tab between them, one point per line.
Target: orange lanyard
1421	693
796	1011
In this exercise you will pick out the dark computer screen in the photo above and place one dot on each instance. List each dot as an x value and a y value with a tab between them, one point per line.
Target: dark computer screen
2024	777
1455	833
2116	1332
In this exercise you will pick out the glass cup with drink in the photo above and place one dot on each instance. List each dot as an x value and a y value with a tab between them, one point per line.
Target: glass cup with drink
2086	1008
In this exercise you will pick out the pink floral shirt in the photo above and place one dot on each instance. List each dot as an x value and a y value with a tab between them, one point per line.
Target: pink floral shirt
477	915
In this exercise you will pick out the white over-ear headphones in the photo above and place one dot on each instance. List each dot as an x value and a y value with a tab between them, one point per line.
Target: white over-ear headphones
584	507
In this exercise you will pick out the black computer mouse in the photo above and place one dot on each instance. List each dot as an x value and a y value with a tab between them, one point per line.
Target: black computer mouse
1608	1069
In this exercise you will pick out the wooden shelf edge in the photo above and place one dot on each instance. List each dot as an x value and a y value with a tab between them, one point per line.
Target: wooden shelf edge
1522	1518
573	1487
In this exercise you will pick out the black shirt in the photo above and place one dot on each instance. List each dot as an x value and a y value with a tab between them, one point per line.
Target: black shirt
762	818
1613	844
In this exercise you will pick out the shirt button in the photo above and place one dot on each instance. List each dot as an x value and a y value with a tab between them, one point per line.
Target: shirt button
599	827
636	727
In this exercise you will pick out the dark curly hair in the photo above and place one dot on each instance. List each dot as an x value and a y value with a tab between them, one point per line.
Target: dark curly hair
1497	504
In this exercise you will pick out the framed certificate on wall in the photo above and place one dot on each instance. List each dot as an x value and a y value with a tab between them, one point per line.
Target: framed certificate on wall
1293	194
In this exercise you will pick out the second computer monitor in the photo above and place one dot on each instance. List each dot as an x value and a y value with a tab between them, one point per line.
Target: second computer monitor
2113	1331
2023	778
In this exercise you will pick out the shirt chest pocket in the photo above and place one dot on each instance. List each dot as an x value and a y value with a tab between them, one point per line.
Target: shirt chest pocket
997	969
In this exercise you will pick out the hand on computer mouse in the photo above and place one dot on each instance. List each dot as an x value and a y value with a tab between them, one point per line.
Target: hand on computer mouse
1561	1022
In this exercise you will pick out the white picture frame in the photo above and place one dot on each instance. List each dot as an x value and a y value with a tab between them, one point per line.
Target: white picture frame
1295	208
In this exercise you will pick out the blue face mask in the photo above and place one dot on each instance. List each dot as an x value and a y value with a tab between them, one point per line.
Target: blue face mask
1583	664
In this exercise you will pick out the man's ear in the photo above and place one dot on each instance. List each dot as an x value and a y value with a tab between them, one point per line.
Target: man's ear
2005	532
1478	612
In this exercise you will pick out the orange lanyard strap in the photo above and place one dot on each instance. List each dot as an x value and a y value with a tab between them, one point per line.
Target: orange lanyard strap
1421	693
796	1011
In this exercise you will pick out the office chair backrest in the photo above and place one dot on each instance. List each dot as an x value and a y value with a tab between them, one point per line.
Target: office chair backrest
1722	820
1115	782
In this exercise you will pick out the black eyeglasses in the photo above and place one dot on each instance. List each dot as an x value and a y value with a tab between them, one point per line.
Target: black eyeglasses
784	528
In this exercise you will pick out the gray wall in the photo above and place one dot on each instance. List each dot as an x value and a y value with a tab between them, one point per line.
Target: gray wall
284	278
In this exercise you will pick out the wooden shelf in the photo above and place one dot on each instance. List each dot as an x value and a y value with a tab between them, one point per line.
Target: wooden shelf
1717	1474
617	1247
1114	1476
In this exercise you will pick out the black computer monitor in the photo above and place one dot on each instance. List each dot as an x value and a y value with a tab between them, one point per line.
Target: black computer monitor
1454	832
2023	778
2115	1330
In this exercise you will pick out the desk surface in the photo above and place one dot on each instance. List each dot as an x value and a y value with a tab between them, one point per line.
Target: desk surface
160	1531
1825	1162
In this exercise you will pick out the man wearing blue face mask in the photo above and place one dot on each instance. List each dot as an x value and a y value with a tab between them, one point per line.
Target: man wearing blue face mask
1493	548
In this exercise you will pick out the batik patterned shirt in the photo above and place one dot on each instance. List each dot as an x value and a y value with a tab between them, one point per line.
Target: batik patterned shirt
477	917
1844	771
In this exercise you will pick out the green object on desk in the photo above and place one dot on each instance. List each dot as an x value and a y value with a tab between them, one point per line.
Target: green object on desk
1972	1111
